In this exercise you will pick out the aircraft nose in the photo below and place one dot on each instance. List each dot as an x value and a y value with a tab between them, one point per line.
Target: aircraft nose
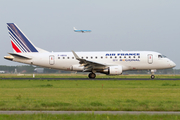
172	64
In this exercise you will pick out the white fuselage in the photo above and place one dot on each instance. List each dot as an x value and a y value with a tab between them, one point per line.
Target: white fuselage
129	60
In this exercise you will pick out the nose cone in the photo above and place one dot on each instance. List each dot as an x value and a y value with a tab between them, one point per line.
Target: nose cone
172	64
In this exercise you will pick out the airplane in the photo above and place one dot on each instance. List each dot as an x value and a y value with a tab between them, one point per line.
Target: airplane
106	62
83	31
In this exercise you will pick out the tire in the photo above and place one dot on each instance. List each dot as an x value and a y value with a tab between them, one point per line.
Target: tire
92	75
152	76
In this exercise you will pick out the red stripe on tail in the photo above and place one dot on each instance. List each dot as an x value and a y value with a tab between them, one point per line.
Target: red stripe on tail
15	47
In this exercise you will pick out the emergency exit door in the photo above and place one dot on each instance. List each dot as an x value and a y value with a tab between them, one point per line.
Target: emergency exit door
150	58
51	60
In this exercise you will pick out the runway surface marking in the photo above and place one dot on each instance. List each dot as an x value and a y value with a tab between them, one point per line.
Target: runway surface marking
89	79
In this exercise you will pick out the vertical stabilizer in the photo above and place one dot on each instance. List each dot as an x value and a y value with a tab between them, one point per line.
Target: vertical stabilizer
19	41
74	28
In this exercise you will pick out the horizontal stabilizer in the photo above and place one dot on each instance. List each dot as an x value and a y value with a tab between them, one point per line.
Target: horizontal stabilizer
20	55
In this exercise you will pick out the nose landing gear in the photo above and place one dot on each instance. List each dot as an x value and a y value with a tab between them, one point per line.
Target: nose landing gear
152	74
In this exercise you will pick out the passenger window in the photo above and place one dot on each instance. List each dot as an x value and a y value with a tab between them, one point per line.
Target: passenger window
119	56
58	57
91	57
138	56
67	57
111	57
86	57
115	57
101	57
124	56
82	57
134	56
96	57
72	57
129	56
63	57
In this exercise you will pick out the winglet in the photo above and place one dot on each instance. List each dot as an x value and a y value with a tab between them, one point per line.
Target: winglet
75	55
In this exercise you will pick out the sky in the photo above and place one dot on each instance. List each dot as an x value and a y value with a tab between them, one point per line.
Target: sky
128	25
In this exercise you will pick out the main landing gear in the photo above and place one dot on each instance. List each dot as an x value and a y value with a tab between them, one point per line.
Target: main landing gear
92	75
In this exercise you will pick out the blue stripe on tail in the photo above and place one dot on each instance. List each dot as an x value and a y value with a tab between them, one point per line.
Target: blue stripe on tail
17	41
21	38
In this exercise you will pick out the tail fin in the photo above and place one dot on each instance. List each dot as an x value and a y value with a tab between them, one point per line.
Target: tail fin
19	41
74	28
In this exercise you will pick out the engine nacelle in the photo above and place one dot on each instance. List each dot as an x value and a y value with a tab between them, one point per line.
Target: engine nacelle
77	68
113	70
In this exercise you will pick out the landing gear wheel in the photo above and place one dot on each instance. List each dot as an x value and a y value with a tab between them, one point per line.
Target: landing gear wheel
92	75
152	76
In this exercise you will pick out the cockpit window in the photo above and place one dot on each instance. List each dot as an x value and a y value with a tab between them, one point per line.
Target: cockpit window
161	56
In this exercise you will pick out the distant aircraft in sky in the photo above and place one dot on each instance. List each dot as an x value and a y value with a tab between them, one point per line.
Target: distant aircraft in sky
109	62
83	31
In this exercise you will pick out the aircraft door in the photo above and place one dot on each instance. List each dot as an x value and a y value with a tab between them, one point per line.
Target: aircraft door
150	58
51	60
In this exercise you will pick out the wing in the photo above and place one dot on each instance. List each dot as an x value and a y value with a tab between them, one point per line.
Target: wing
89	65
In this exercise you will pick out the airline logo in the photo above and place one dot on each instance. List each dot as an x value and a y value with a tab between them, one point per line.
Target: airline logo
129	60
122	54
19	41
126	60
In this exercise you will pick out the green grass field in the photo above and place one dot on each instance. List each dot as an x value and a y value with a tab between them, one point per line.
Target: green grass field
92	95
88	117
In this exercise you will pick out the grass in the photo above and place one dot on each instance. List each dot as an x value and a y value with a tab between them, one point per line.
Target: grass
90	95
88	117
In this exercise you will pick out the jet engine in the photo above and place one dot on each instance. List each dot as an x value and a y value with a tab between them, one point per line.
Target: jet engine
113	70
77	68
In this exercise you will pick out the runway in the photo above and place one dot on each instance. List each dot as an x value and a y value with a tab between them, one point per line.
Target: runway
90	112
89	79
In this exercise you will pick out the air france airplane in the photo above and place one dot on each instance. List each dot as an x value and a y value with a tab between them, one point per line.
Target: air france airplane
109	63
83	31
